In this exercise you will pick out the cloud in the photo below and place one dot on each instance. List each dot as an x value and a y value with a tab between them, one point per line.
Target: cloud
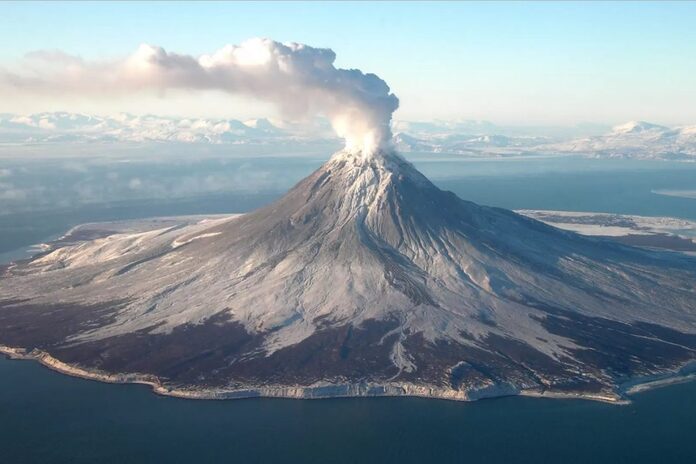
300	80
10	192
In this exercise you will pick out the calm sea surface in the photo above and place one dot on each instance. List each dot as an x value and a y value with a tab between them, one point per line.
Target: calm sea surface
46	417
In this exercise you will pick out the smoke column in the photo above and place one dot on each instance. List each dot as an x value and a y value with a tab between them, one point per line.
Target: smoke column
299	79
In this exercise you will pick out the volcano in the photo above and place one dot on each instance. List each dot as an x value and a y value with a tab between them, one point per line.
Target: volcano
364	279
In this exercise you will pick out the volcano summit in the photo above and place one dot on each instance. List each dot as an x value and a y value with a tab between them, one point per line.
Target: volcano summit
364	279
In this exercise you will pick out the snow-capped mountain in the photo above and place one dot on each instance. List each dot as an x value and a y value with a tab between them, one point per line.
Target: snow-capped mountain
71	127
472	145
424	129
638	127
364	279
636	139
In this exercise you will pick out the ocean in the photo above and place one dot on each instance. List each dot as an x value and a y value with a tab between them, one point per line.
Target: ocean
46	417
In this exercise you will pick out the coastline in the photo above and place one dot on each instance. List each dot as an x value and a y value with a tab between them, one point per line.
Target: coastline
685	373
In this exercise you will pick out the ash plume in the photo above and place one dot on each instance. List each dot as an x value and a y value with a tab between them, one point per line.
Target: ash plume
300	80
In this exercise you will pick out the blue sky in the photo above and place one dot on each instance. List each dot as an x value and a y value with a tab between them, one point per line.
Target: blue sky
513	63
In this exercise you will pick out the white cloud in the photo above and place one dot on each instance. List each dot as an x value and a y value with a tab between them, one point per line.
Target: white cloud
135	184
10	192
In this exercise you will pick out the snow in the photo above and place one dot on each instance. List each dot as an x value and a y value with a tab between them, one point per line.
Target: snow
67	127
637	126
676	193
638	140
605	224
179	242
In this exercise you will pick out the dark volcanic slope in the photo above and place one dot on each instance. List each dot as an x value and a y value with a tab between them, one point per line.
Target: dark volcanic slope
363	274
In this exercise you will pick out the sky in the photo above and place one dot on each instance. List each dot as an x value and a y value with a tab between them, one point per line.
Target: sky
520	63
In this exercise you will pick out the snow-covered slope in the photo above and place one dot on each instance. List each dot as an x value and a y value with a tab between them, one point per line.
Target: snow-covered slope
365	273
636	139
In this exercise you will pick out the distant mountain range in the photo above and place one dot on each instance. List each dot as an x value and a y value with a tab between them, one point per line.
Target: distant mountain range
636	139
72	127
468	144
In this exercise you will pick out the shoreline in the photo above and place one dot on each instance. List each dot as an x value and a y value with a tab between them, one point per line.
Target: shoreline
684	374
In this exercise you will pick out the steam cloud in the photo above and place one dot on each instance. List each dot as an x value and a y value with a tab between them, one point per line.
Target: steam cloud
299	79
